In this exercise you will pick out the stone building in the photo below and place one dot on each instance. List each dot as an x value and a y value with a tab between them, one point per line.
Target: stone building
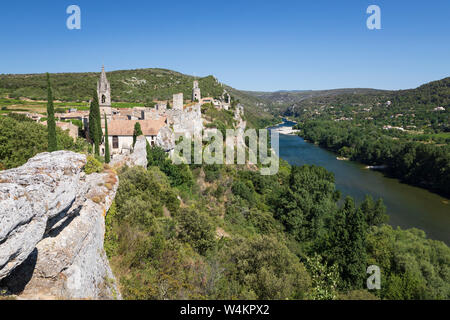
187	121
70	128
178	101
196	93
120	133
104	94
161	106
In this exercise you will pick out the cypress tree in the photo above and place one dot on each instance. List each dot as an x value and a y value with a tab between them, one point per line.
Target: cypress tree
51	124
95	128
107	155
137	132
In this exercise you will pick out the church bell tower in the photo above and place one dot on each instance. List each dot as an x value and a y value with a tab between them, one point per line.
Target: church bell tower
196	94
104	94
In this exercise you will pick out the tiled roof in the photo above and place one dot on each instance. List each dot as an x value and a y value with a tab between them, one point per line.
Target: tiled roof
78	114
126	127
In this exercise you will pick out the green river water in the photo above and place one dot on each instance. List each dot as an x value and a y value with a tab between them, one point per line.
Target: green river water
407	206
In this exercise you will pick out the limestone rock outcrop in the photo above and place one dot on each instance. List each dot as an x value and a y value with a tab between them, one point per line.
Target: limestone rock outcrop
139	155
52	229
166	139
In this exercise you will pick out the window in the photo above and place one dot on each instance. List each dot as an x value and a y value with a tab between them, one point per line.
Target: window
115	142
103	99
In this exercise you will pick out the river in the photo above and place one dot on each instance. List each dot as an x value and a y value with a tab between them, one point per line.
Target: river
407	206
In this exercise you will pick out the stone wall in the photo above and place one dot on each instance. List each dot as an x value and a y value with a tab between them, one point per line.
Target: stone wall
188	121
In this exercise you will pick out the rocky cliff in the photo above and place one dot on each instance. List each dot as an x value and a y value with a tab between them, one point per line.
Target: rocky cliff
52	229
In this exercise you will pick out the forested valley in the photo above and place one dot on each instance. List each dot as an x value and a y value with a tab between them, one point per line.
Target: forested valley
226	232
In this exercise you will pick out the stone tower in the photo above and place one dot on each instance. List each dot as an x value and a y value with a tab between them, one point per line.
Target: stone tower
178	101
104	94
196	94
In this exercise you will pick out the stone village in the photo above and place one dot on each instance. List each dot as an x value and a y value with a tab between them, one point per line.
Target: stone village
159	125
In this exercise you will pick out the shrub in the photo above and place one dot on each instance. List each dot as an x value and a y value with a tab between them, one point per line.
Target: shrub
197	230
212	172
242	190
266	268
93	165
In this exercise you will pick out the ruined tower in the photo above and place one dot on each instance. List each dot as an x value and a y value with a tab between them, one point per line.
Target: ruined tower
178	101
104	94
196	94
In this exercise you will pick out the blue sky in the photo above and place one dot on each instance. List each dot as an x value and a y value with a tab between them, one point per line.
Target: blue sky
252	45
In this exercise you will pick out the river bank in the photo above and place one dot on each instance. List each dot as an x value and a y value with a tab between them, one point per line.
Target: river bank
287	131
407	206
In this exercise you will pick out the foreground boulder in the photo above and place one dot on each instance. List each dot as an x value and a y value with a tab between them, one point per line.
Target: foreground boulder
52	229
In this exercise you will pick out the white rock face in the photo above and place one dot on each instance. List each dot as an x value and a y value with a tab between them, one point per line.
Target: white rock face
166	139
139	155
52	229
29	196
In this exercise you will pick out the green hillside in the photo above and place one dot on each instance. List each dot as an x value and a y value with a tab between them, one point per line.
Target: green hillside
127	85
140	86
287	97
412	109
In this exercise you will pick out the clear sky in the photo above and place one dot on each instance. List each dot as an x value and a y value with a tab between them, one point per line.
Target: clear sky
252	45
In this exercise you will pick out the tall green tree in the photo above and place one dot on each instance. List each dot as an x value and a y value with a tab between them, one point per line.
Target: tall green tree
375	213
137	132
107	154
356	254
51	123
95	128
347	244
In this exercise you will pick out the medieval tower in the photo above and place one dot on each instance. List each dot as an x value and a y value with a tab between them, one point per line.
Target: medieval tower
196	95
104	94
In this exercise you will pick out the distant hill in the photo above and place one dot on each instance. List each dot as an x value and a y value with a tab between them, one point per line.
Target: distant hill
412	107
287	97
424	109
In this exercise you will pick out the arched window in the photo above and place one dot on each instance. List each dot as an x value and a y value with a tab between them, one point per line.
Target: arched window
103	99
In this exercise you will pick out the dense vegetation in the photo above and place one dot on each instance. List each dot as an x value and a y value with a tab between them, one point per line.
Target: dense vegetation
22	138
226	232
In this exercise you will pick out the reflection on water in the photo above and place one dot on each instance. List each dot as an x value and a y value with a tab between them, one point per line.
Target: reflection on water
407	206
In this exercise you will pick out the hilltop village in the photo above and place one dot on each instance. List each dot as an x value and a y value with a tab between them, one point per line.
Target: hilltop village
159	124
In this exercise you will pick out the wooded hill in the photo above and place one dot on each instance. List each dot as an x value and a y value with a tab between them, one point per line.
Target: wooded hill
136	86
413	108
133	86
287	97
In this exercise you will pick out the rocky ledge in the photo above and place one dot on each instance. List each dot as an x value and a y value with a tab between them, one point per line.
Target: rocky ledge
52	226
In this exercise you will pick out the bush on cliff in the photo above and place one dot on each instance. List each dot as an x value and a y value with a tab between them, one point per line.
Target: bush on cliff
93	165
21	139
